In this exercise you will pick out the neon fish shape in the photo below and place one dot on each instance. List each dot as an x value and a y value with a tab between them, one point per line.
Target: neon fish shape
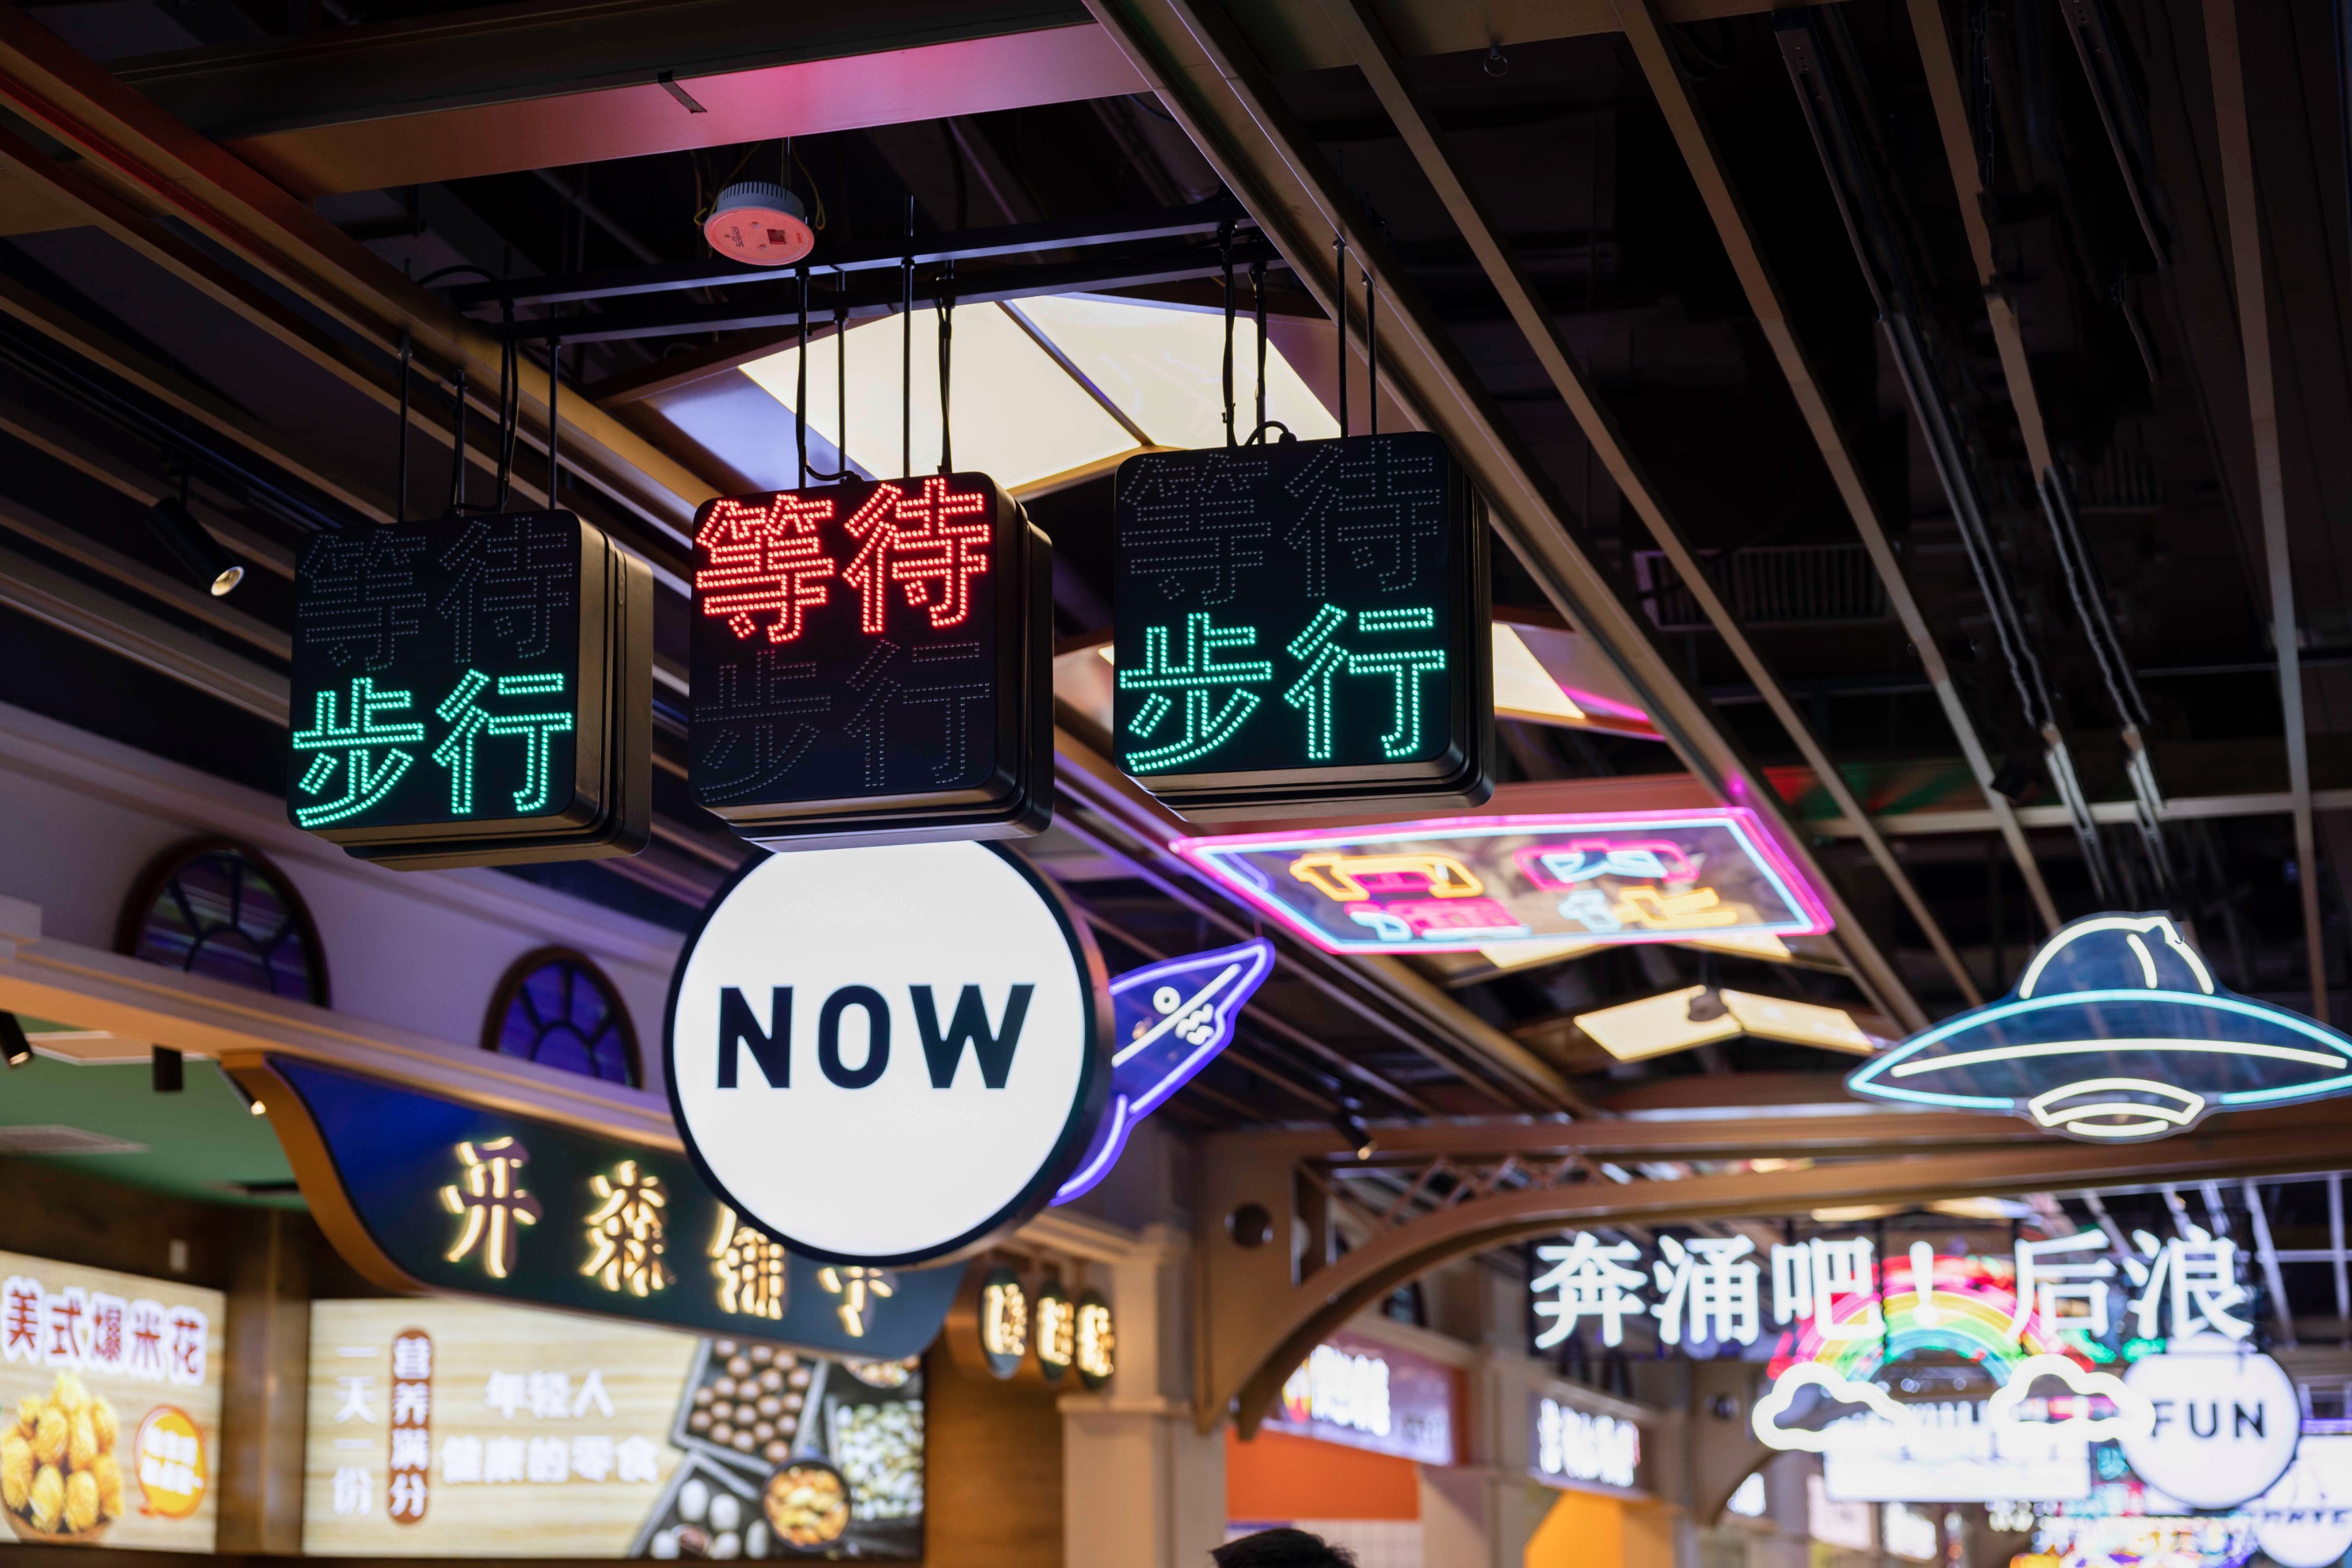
1171	1018
1563	866
2115	1033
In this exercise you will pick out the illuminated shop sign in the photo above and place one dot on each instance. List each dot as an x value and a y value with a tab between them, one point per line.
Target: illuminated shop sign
2115	1032
1364	1394
1169	1020
887	1055
472	692
872	663
110	1407
2125	1523
2225	1420
2304	1519
1836	1298
421	1193
452	1429
1302	622
1465	883
1572	1444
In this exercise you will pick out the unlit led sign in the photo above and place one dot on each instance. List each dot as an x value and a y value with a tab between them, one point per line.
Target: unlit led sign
1467	883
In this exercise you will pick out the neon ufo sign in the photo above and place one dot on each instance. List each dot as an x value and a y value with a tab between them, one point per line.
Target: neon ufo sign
1473	882
2116	1032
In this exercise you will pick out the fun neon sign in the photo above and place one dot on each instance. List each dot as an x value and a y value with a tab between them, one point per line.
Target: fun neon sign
1477	882
2116	1032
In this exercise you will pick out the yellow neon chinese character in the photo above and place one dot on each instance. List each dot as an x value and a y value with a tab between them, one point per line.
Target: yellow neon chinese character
624	1236
1005	1319
860	1290
1694	911
493	1203
751	1268
1057	1331
1096	1342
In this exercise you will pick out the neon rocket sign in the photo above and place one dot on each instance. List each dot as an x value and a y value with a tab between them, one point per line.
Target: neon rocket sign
1171	1018
2116	1032
1476	882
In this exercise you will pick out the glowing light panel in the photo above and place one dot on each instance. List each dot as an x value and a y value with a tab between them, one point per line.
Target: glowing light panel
1494	883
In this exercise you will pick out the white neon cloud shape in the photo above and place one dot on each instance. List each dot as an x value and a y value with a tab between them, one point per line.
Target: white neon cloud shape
1766	1417
2134	1416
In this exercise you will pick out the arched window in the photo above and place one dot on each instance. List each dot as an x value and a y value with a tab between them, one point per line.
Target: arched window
222	911
555	1007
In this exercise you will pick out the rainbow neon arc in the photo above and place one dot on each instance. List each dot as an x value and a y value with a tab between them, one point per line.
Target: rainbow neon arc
1967	1313
1460	883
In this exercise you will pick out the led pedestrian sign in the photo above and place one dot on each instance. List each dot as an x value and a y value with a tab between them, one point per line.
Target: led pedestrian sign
1482	882
1301	625
476	690
871	663
2115	1032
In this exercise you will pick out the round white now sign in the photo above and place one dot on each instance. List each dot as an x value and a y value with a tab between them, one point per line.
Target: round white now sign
887	1055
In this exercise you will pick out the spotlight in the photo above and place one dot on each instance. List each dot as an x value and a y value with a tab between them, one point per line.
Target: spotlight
759	223
169	1071
14	1045
1351	1127
194	548
252	1106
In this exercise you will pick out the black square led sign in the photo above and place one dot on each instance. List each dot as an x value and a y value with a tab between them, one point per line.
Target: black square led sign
872	663
472	690
1302	627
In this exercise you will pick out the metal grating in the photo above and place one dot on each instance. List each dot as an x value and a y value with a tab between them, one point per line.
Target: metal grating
1770	585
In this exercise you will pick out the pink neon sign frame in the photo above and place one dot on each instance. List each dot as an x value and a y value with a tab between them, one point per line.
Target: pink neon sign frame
1222	858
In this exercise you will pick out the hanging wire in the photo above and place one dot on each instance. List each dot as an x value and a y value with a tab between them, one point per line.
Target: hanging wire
1225	256
1339	322
457	450
1257	301
510	405
1371	356
800	373
400	487
947	363
906	350
555	425
841	355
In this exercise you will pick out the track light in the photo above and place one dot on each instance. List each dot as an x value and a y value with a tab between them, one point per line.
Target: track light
169	1071
759	223
1351	1127
252	1106
192	547
14	1045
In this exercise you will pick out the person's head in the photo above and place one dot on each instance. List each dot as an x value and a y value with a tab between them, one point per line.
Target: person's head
1282	1549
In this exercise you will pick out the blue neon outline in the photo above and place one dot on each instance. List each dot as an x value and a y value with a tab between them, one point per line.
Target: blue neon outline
1255	959
1867	1079
1240	870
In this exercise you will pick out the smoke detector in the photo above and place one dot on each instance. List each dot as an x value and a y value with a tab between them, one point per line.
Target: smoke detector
759	223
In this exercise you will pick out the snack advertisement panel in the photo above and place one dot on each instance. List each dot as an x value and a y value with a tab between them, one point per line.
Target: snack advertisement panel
110	1407
441	1428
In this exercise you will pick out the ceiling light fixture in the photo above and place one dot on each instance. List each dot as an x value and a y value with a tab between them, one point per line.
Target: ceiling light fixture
761	222
252	1106
191	546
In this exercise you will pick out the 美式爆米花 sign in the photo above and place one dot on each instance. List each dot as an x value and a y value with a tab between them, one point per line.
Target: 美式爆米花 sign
1301	625
872	663
110	1407
471	691
422	1193
1479	882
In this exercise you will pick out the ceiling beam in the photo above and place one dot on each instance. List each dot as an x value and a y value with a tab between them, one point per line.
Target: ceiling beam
1376	55
350	309
2235	142
1646	32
